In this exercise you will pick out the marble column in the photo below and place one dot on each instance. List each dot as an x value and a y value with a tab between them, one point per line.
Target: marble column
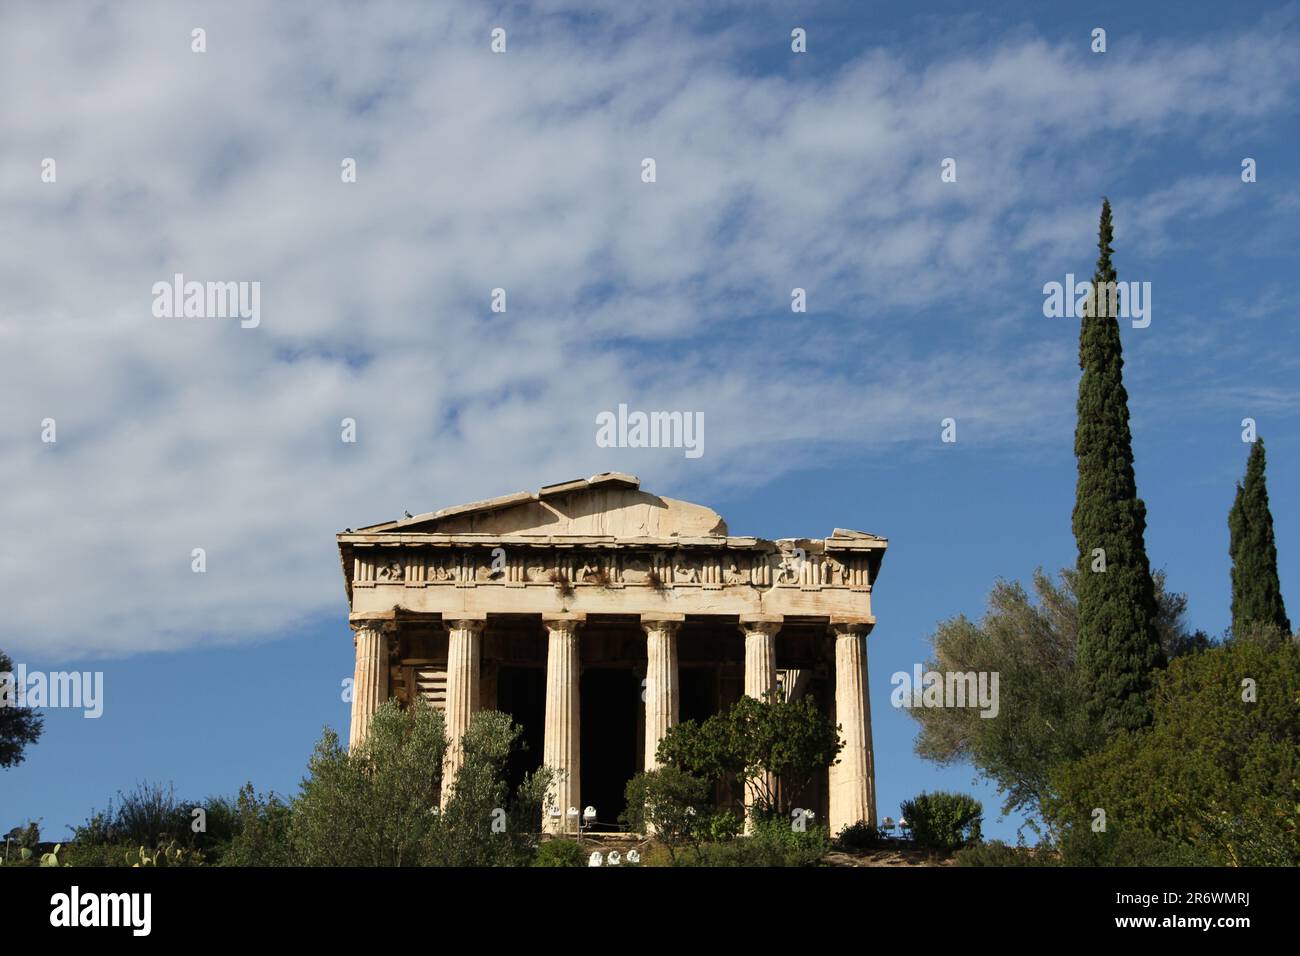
561	741
662	697
369	679
760	657
853	778
464	651
760	681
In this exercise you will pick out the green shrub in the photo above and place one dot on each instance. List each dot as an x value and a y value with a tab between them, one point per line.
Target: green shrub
381	803
149	816
721	826
376	804
677	805
560	853
773	842
774	747
220	818
484	824
1127	846
858	836
262	832
943	820
96	831
99	854
997	853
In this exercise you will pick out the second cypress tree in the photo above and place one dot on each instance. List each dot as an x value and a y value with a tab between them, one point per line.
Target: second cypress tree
1119	646
1256	591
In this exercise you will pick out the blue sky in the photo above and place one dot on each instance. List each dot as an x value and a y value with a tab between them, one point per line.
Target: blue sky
522	171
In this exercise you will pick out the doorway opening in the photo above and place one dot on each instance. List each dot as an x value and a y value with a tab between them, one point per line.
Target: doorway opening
699	693
611	697
521	693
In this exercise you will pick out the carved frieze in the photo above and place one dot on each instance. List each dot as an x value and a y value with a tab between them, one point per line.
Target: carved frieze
784	564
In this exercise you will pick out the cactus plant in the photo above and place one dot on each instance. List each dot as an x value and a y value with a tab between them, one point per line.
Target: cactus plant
52	858
168	854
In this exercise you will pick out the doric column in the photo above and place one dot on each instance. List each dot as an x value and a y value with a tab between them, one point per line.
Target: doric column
853	778
662	700
370	678
760	657
464	650
560	747
760	681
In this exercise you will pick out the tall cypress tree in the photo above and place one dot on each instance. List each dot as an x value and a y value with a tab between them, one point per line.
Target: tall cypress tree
1119	646
1256	591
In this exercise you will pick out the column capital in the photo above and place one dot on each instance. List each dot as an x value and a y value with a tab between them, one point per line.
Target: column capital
386	628
768	626
474	622
563	623
662	623
851	626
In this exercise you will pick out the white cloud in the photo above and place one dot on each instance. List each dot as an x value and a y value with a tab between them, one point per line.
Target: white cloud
520	171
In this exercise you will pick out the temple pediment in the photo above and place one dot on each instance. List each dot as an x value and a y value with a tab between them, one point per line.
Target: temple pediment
606	504
601	545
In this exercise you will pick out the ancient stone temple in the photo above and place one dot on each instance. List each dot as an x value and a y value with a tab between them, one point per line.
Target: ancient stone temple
598	615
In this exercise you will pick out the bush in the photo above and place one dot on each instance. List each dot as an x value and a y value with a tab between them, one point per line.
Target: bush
773	746
381	803
96	831
560	853
149	816
943	820
220	818
100	854
858	836
484	824
1126	846
997	853
721	826
377	804
262	832
677	805
773	842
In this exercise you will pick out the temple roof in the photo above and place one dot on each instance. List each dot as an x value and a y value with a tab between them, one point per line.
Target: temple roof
610	503
607	505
